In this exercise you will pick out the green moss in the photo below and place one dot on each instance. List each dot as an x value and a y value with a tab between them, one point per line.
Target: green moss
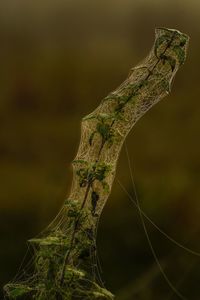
17	291
170	60
163	39
102	292
47	241
79	161
94	200
104	128
80	288
96	171
180	53
73	272
105	131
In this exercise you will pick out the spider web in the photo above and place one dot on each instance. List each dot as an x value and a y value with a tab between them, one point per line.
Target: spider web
65	261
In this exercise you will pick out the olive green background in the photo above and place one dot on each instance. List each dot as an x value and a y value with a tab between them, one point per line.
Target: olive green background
57	60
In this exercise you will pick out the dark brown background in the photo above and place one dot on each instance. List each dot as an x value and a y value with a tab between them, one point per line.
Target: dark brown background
58	59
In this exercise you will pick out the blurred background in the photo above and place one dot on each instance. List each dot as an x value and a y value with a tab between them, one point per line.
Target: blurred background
58	60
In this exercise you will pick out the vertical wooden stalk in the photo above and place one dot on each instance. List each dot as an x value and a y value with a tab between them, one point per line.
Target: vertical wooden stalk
64	256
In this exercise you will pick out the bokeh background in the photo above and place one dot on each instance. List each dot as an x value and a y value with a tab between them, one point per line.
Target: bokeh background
57	60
